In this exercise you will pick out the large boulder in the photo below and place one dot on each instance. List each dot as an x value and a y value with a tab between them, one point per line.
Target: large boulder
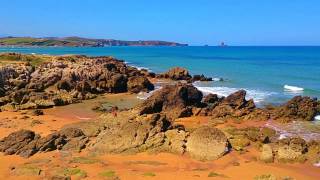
132	136
177	73
15	141
266	154
173	100
234	105
117	83
292	150
297	109
207	143
26	143
139	83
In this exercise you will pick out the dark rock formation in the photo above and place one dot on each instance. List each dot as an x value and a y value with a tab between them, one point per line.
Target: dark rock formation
297	109
66	79
173	100
234	105
26	143
211	99
139	83
201	78
177	73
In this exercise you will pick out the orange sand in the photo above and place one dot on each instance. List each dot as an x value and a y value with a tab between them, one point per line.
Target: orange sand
162	166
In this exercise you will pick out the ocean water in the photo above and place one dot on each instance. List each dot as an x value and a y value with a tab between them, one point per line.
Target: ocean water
269	74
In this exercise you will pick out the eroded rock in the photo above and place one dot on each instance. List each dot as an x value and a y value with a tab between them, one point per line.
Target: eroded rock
173	100
206	143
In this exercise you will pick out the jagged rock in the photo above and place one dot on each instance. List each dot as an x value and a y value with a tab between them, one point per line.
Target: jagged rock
26	143
16	141
234	105
239	142
211	99
175	141
206	143
297	109
65	85
266	153
201	78
177	73
139	83
132	136
117	84
63	80
36	112
173	100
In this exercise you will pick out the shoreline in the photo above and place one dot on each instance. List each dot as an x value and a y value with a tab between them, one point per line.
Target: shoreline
158	137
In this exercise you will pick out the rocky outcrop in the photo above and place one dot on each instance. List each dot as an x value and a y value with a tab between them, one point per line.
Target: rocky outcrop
291	150
297	109
234	105
63	80
155	134
206	143
177	73
266	154
26	143
173	100
201	78
139	83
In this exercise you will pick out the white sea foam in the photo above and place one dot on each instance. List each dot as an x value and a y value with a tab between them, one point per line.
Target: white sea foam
293	88
138	67
146	95
217	79
256	95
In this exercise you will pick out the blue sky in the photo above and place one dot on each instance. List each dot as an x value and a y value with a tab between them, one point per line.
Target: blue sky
197	22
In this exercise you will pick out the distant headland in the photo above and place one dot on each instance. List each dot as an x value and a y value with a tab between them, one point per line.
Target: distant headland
78	42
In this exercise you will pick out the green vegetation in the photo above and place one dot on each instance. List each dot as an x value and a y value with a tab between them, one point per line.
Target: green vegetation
149	174
265	177
214	174
78	41
17	41
84	160
75	172
151	163
12	58
107	173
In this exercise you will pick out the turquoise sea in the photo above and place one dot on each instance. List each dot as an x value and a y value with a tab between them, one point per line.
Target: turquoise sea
262	71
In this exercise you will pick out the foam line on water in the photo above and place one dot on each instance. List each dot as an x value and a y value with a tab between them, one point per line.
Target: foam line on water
256	95
293	88
145	95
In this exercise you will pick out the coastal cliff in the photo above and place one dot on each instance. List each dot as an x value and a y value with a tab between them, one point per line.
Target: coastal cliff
79	42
